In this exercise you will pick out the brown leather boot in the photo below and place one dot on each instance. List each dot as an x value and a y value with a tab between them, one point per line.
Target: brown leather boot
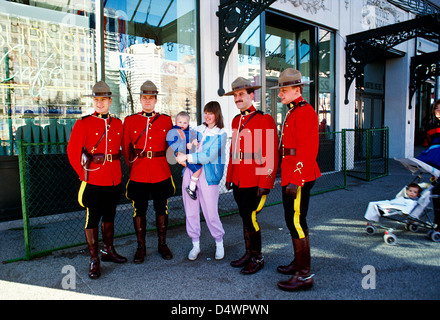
108	253
92	243
243	261
302	279
288	269
140	224
256	262
162	226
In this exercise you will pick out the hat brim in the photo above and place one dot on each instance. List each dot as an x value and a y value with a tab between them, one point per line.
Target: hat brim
292	85
231	93
148	94
98	96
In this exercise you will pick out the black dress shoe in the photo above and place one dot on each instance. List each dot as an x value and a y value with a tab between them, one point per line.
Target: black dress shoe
192	194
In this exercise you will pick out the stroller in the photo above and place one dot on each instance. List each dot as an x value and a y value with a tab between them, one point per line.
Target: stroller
418	216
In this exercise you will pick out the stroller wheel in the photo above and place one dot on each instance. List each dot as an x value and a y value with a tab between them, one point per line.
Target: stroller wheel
390	239
435	236
370	230
412	227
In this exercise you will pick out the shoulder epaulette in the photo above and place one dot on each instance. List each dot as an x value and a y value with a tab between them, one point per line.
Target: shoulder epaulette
84	117
257	111
133	114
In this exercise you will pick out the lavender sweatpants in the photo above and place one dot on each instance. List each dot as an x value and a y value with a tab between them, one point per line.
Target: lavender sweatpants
207	198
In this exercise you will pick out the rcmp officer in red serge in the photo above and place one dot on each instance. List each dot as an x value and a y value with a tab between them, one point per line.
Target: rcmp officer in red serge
299	146
94	153
144	147
252	169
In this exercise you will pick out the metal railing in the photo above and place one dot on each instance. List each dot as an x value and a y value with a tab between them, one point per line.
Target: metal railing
53	219
367	154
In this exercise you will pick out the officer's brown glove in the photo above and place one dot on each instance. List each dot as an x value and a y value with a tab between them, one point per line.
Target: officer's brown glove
292	189
262	191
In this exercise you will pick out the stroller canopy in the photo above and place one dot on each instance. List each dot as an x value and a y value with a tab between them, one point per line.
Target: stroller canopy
415	166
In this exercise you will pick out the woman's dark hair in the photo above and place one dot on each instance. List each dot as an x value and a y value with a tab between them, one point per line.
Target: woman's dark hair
214	107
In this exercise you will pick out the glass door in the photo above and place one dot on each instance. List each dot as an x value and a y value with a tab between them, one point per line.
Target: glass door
287	45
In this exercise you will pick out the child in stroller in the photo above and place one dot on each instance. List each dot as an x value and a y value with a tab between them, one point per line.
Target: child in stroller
410	207
405	201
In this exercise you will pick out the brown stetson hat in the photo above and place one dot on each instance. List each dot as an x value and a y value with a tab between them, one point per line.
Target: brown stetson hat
290	78
241	83
148	88
100	89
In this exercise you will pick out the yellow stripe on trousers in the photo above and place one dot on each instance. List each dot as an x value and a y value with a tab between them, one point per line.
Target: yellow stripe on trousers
174	187
132	202
80	200
254	213
174	192
81	193
297	214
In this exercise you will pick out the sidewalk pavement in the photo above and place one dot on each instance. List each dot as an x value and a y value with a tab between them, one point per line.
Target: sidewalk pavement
348	264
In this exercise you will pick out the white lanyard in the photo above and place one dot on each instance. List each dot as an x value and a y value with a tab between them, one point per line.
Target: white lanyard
146	139
238	131
106	145
282	128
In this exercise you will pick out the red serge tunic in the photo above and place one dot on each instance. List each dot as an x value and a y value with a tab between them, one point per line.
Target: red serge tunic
87	132
300	132
253	158
147	169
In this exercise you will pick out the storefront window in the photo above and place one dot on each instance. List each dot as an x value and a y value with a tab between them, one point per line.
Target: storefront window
326	80
249	59
152	40
287	46
49	61
290	43
281	48
46	64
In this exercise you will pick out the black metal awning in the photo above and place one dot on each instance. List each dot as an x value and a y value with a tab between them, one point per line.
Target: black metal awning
234	17
365	47
423	67
418	7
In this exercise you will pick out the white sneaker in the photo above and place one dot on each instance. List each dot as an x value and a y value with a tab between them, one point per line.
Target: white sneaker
219	251
193	254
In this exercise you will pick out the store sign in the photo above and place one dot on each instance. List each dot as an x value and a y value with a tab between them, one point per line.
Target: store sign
379	13
43	63
311	6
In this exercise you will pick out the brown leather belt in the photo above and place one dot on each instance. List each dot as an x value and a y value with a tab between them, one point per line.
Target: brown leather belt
101	158
287	152
242	156
140	153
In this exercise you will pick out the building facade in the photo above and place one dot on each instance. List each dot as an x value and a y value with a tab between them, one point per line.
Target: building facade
53	51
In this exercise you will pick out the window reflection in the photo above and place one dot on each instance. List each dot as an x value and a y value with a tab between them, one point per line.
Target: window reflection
49	61
153	40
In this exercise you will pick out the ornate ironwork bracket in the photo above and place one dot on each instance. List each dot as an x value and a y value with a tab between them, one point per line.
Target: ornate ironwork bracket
364	47
423	67
234	17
